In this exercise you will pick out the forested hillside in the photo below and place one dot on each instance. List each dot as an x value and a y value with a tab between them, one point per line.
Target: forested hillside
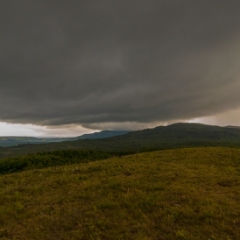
173	136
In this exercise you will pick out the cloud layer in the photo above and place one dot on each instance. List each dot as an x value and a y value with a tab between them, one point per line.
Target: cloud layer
100	63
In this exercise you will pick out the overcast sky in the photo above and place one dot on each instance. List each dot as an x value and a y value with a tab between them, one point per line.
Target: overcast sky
69	67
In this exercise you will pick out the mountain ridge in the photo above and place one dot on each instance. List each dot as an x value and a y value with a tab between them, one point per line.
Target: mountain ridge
102	134
162	137
8	141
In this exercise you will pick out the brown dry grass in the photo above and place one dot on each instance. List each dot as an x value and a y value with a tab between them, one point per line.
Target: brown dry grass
170	194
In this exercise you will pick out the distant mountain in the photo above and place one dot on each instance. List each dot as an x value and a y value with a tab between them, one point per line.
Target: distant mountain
102	134
14	141
164	137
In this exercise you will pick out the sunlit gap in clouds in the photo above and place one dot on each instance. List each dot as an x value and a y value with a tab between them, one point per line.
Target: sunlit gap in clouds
9	129
231	117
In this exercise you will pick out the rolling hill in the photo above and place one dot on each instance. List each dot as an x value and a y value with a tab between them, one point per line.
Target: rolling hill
14	141
172	194
187	193
163	137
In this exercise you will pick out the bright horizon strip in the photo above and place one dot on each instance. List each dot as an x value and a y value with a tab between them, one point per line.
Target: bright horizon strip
231	117
30	130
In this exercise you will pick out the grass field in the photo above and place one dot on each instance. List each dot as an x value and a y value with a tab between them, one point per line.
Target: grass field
188	194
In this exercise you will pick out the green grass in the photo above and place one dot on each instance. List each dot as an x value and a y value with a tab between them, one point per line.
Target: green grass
54	158
170	194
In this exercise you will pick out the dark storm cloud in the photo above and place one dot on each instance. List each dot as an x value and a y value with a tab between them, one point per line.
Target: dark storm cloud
90	62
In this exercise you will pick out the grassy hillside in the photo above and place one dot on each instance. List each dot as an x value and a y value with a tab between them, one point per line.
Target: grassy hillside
170	194
54	158
173	136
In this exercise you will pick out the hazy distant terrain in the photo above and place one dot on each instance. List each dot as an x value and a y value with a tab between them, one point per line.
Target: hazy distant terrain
173	136
102	134
13	141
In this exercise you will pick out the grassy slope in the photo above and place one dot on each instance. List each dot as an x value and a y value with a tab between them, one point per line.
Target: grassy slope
53	159
170	194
